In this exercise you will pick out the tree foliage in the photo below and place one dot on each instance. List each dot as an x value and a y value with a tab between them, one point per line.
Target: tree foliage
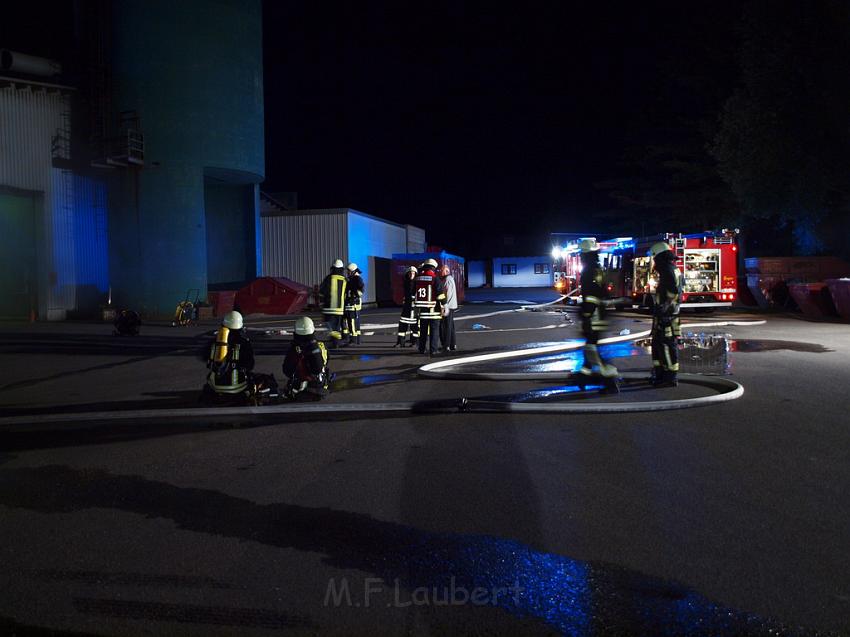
783	141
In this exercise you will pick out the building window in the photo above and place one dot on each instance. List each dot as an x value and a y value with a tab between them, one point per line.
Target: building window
509	268
541	268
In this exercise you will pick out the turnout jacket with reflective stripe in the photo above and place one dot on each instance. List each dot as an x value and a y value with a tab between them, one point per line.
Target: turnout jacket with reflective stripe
668	292
593	295
430	293
354	293
333	294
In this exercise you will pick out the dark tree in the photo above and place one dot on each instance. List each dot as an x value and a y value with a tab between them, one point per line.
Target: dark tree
783	141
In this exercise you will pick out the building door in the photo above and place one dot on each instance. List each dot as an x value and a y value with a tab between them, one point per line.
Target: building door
18	274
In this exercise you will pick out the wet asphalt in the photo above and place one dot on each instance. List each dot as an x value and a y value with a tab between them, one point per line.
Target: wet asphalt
717	521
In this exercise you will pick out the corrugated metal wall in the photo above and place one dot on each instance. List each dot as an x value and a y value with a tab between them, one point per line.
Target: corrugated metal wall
370	237
302	247
72	245
415	240
29	121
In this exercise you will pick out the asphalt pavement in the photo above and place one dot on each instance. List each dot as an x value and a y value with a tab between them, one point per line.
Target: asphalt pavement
722	520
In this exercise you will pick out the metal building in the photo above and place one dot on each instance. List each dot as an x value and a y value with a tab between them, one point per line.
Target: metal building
301	245
52	222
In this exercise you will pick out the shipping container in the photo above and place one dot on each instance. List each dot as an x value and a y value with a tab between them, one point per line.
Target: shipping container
401	262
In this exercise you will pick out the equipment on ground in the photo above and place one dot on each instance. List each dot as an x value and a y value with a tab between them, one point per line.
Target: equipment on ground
186	310
127	323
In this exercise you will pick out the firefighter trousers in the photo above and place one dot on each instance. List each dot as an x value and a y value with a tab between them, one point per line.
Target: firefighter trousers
334	323
429	335
665	351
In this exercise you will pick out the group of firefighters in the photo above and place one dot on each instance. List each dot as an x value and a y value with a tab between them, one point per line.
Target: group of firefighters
426	318
666	329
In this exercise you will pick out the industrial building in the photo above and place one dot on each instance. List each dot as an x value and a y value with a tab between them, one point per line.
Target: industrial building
511	272
132	167
301	245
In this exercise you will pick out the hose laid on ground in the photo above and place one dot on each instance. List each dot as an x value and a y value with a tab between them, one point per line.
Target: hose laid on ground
727	390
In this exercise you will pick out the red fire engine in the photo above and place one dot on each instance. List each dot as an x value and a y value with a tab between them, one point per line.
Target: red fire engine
708	262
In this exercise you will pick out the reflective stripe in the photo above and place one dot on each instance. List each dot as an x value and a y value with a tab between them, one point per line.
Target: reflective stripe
334	304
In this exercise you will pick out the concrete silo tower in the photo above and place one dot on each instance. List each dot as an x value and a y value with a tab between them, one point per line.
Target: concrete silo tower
191	73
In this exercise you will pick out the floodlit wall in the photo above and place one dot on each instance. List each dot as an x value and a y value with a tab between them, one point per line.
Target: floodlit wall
303	246
369	237
476	274
59	243
199	96
519	272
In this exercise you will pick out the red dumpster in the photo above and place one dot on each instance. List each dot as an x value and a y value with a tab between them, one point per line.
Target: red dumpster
840	291
813	299
272	295
222	301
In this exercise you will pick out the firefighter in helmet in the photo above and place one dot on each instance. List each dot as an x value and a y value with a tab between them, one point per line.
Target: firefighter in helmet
332	291
353	305
231	358
666	329
430	294
593	321
408	324
306	363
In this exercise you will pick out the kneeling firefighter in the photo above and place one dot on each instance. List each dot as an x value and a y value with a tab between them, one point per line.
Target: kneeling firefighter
593	321
231	358
666	328
306	363
353	304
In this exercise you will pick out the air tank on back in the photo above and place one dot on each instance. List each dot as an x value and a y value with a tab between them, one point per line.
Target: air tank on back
191	73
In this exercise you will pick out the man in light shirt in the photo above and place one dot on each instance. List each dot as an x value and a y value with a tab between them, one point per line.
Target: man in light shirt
447	325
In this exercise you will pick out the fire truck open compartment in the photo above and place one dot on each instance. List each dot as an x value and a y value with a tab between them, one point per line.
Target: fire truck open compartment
707	261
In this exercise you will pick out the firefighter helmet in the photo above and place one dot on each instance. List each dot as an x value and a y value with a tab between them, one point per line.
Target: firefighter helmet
304	326
431	262
412	269
352	267
589	245
338	264
658	248
232	320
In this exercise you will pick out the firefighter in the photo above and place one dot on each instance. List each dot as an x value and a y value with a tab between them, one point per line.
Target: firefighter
306	363
231	358
593	321
353	305
430	295
666	329
332	291
408	325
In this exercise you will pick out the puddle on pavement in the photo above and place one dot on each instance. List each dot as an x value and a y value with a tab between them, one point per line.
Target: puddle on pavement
344	383
755	345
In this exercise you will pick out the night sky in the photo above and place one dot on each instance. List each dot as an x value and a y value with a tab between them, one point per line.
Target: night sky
468	120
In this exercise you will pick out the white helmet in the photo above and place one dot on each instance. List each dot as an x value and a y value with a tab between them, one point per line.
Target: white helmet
431	262
304	326
352	267
232	320
658	248
412	269
338	264
589	245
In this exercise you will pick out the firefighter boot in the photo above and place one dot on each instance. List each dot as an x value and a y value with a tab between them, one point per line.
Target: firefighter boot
591	360
667	379
399	342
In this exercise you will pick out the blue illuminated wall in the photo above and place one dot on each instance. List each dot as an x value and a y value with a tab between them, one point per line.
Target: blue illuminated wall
369	237
91	257
192	71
